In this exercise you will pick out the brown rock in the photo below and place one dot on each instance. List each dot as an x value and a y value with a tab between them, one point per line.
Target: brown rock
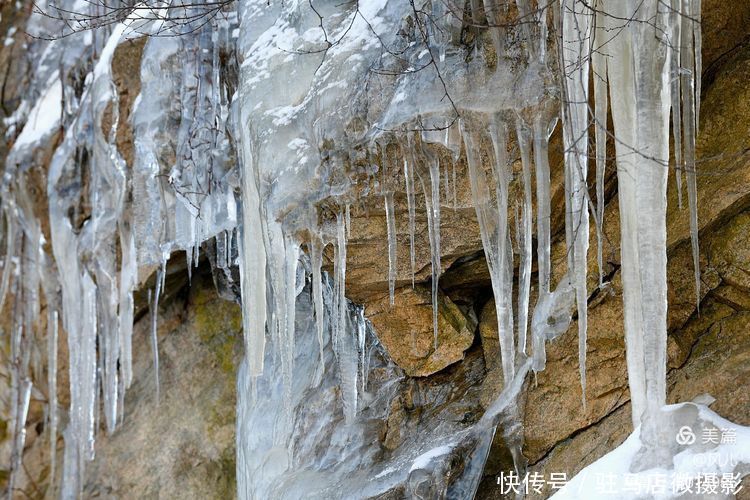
183	444
723	159
367	248
406	330
126	75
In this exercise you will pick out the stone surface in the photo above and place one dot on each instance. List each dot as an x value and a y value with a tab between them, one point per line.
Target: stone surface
126	75
406	330
181	445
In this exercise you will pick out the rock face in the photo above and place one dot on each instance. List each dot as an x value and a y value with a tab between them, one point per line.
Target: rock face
407	333
183	444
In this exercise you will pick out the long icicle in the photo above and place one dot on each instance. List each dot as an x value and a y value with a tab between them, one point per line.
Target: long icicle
493	228
524	136
52	335
576	40
599	70
432	199
675	79
154	331
391	229
316	257
690	99
409	162
342	342
542	130
252	258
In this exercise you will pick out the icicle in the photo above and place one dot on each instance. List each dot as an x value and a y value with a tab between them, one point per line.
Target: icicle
361	337
189	259
391	228
599	69
154	317
252	259
291	258
493	225
316	258
23	396
409	176
695	15
454	144
542	131
221	249
342	343
541	18
340	278
446	183
675	78
88	366
280	282
10	241
432	201
640	106
690	103
230	238
109	341
524	234
455	185
19	379
128	279
52	335
503	269
576	19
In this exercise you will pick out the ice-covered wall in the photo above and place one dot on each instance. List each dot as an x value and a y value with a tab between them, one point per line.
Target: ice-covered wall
332	103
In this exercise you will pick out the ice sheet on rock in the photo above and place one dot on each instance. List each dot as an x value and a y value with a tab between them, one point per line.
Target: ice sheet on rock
551	318
300	155
322	453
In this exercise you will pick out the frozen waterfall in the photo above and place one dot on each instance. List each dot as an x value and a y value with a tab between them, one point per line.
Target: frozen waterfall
259	124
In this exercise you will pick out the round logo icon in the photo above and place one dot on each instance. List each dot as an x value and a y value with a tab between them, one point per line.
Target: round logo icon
685	436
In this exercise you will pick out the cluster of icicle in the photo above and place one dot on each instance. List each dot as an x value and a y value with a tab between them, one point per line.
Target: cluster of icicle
107	219
645	56
417	97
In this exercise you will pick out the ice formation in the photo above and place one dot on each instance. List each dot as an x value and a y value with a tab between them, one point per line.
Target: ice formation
707	451
261	155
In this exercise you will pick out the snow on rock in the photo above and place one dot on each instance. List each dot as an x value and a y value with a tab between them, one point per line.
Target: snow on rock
709	455
44	118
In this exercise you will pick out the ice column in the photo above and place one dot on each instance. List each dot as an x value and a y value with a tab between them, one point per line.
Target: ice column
576	53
